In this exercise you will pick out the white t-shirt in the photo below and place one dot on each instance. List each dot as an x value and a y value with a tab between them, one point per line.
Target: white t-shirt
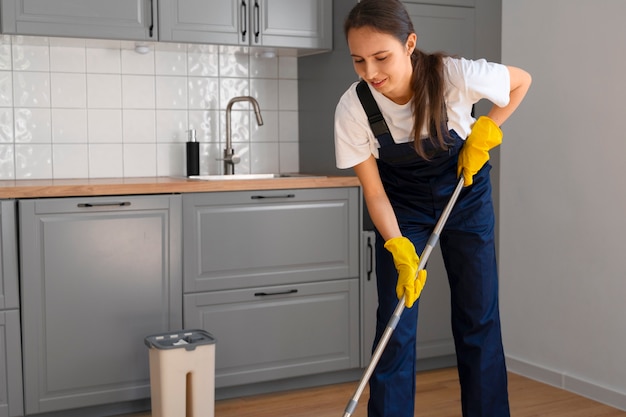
467	82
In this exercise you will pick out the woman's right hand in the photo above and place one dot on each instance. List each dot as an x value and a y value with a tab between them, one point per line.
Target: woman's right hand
410	280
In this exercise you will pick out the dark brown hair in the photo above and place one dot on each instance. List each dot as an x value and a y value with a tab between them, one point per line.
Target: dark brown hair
391	17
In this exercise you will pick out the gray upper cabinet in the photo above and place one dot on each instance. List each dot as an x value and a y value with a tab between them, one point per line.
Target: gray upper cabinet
110	19
304	24
98	275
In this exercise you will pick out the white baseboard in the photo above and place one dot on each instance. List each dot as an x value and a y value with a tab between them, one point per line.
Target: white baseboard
560	380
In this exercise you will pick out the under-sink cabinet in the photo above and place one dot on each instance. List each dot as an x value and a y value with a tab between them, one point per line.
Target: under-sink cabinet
11	399
98	274
274	276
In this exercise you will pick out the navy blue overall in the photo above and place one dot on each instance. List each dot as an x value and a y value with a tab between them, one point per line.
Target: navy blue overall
419	190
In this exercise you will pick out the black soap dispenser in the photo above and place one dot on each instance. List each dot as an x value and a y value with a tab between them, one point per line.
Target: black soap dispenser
193	154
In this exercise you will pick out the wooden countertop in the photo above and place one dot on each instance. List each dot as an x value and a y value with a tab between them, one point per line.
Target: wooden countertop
159	185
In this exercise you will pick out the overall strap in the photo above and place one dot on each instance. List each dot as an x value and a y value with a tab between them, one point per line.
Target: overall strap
374	116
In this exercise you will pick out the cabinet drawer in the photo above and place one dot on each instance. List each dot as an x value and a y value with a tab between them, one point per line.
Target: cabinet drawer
269	333
243	239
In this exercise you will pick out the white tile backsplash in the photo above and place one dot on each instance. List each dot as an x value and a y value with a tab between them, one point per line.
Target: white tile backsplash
69	125
68	90
103	60
32	125
106	160
70	161
67	59
105	126
30	89
77	108
139	126
6	125
104	91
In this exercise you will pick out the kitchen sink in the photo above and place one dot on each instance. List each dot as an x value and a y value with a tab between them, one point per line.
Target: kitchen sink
220	177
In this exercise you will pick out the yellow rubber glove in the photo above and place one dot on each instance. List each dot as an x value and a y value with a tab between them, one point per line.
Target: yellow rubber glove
410	282
485	135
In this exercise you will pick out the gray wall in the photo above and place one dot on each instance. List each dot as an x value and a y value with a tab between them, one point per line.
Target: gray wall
562	224
322	79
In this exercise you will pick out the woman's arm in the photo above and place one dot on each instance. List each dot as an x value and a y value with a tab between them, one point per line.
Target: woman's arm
520	83
378	204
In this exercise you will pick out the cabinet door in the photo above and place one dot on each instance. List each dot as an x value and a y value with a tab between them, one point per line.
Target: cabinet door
9	297
269	333
205	21
288	23
249	239
98	276
11	398
444	28
304	24
110	19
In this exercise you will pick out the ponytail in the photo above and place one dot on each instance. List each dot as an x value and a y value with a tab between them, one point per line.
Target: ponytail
429	108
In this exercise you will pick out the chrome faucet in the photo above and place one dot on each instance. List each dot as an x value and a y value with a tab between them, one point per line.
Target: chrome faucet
230	159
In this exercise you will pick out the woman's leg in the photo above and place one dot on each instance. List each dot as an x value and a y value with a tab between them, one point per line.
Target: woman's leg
392	385
468	249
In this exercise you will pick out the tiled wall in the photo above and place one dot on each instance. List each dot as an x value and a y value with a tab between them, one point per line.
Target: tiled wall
76	108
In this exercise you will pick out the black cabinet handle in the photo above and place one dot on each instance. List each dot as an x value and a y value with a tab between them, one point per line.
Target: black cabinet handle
257	21
243	20
151	18
105	204
260	197
370	251
266	294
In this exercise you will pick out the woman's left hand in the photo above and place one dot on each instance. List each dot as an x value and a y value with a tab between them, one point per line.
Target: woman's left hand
485	135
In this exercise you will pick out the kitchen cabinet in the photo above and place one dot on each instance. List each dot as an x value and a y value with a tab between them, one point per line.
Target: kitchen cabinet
98	274
276	332
444	28
11	397
304	24
273	275
110	19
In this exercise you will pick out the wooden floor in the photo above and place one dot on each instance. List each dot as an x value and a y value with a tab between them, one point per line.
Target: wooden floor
437	395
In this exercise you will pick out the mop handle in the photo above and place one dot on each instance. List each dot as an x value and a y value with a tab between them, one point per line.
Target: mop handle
395	317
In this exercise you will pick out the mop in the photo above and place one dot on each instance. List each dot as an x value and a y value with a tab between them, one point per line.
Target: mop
395	317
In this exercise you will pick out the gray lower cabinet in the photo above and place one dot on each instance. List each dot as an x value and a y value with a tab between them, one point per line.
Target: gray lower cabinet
303	24
98	274
110	19
11	397
276	332
273	275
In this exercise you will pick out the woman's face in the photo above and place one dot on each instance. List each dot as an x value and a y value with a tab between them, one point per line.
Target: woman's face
383	61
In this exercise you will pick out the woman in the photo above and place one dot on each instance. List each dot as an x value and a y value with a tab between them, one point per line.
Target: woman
408	168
